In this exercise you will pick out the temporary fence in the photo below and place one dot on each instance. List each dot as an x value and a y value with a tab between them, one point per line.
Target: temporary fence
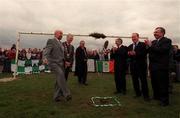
36	66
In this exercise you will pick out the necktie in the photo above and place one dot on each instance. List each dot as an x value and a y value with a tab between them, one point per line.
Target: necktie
134	46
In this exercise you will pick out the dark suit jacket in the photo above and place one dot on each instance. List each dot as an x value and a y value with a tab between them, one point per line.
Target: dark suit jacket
159	54
140	59
81	61
120	58
68	52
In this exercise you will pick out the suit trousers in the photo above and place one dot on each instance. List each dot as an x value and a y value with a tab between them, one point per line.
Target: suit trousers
139	79
67	72
120	80
61	88
82	77
160	85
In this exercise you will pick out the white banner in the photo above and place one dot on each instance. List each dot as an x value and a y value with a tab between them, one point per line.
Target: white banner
21	63
105	66
91	66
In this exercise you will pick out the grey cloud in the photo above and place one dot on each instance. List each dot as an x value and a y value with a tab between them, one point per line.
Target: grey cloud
115	17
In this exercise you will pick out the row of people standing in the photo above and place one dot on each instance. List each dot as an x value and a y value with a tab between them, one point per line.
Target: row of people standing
159	54
158	50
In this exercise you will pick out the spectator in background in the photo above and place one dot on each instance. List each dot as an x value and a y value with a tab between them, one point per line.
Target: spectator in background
176	57
34	53
95	55
22	55
1	60
106	51
7	62
81	63
13	46
28	54
11	54
68	54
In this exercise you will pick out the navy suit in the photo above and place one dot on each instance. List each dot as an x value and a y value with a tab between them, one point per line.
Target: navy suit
120	66
138	68
159	68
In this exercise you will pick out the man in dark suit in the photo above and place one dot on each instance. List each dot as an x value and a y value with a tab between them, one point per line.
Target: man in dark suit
119	54
138	66
81	63
68	54
159	50
53	55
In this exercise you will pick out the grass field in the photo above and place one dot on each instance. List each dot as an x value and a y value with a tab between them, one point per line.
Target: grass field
31	97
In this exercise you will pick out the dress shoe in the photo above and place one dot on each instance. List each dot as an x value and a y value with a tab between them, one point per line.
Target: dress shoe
137	96
117	92
68	98
147	99
57	100
163	104
85	84
124	92
156	98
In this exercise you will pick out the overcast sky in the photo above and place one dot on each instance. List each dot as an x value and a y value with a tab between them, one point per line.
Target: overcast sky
110	17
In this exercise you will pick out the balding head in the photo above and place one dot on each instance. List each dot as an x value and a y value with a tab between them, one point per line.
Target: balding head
58	34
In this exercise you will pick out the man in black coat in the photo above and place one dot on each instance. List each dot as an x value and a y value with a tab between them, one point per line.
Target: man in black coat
81	63
138	66
159	53
119	54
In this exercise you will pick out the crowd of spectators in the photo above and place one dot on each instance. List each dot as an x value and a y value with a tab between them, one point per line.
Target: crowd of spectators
8	55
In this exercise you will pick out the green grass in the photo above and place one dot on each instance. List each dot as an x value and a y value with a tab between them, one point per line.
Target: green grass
31	97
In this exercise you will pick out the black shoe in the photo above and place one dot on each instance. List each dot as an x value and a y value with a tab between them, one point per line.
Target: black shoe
85	84
124	92
68	98
137	96
57	100
163	104
147	99
117	92
156	98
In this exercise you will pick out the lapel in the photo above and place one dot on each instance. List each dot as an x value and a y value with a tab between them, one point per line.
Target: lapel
59	45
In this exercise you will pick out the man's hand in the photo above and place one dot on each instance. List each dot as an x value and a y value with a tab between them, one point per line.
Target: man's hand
131	53
114	49
148	42
67	64
45	61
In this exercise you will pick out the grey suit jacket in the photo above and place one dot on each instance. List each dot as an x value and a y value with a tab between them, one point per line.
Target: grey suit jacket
54	52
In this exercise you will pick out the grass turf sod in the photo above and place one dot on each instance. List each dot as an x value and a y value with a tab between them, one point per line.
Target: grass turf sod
31	97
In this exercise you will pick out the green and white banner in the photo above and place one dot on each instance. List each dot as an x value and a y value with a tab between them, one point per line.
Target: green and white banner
36	66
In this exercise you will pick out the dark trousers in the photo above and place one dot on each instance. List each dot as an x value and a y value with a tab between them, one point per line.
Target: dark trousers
120	80
160	85
140	79
67	72
82	77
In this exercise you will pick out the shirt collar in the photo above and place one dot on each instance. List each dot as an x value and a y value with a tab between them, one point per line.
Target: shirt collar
136	43
57	39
